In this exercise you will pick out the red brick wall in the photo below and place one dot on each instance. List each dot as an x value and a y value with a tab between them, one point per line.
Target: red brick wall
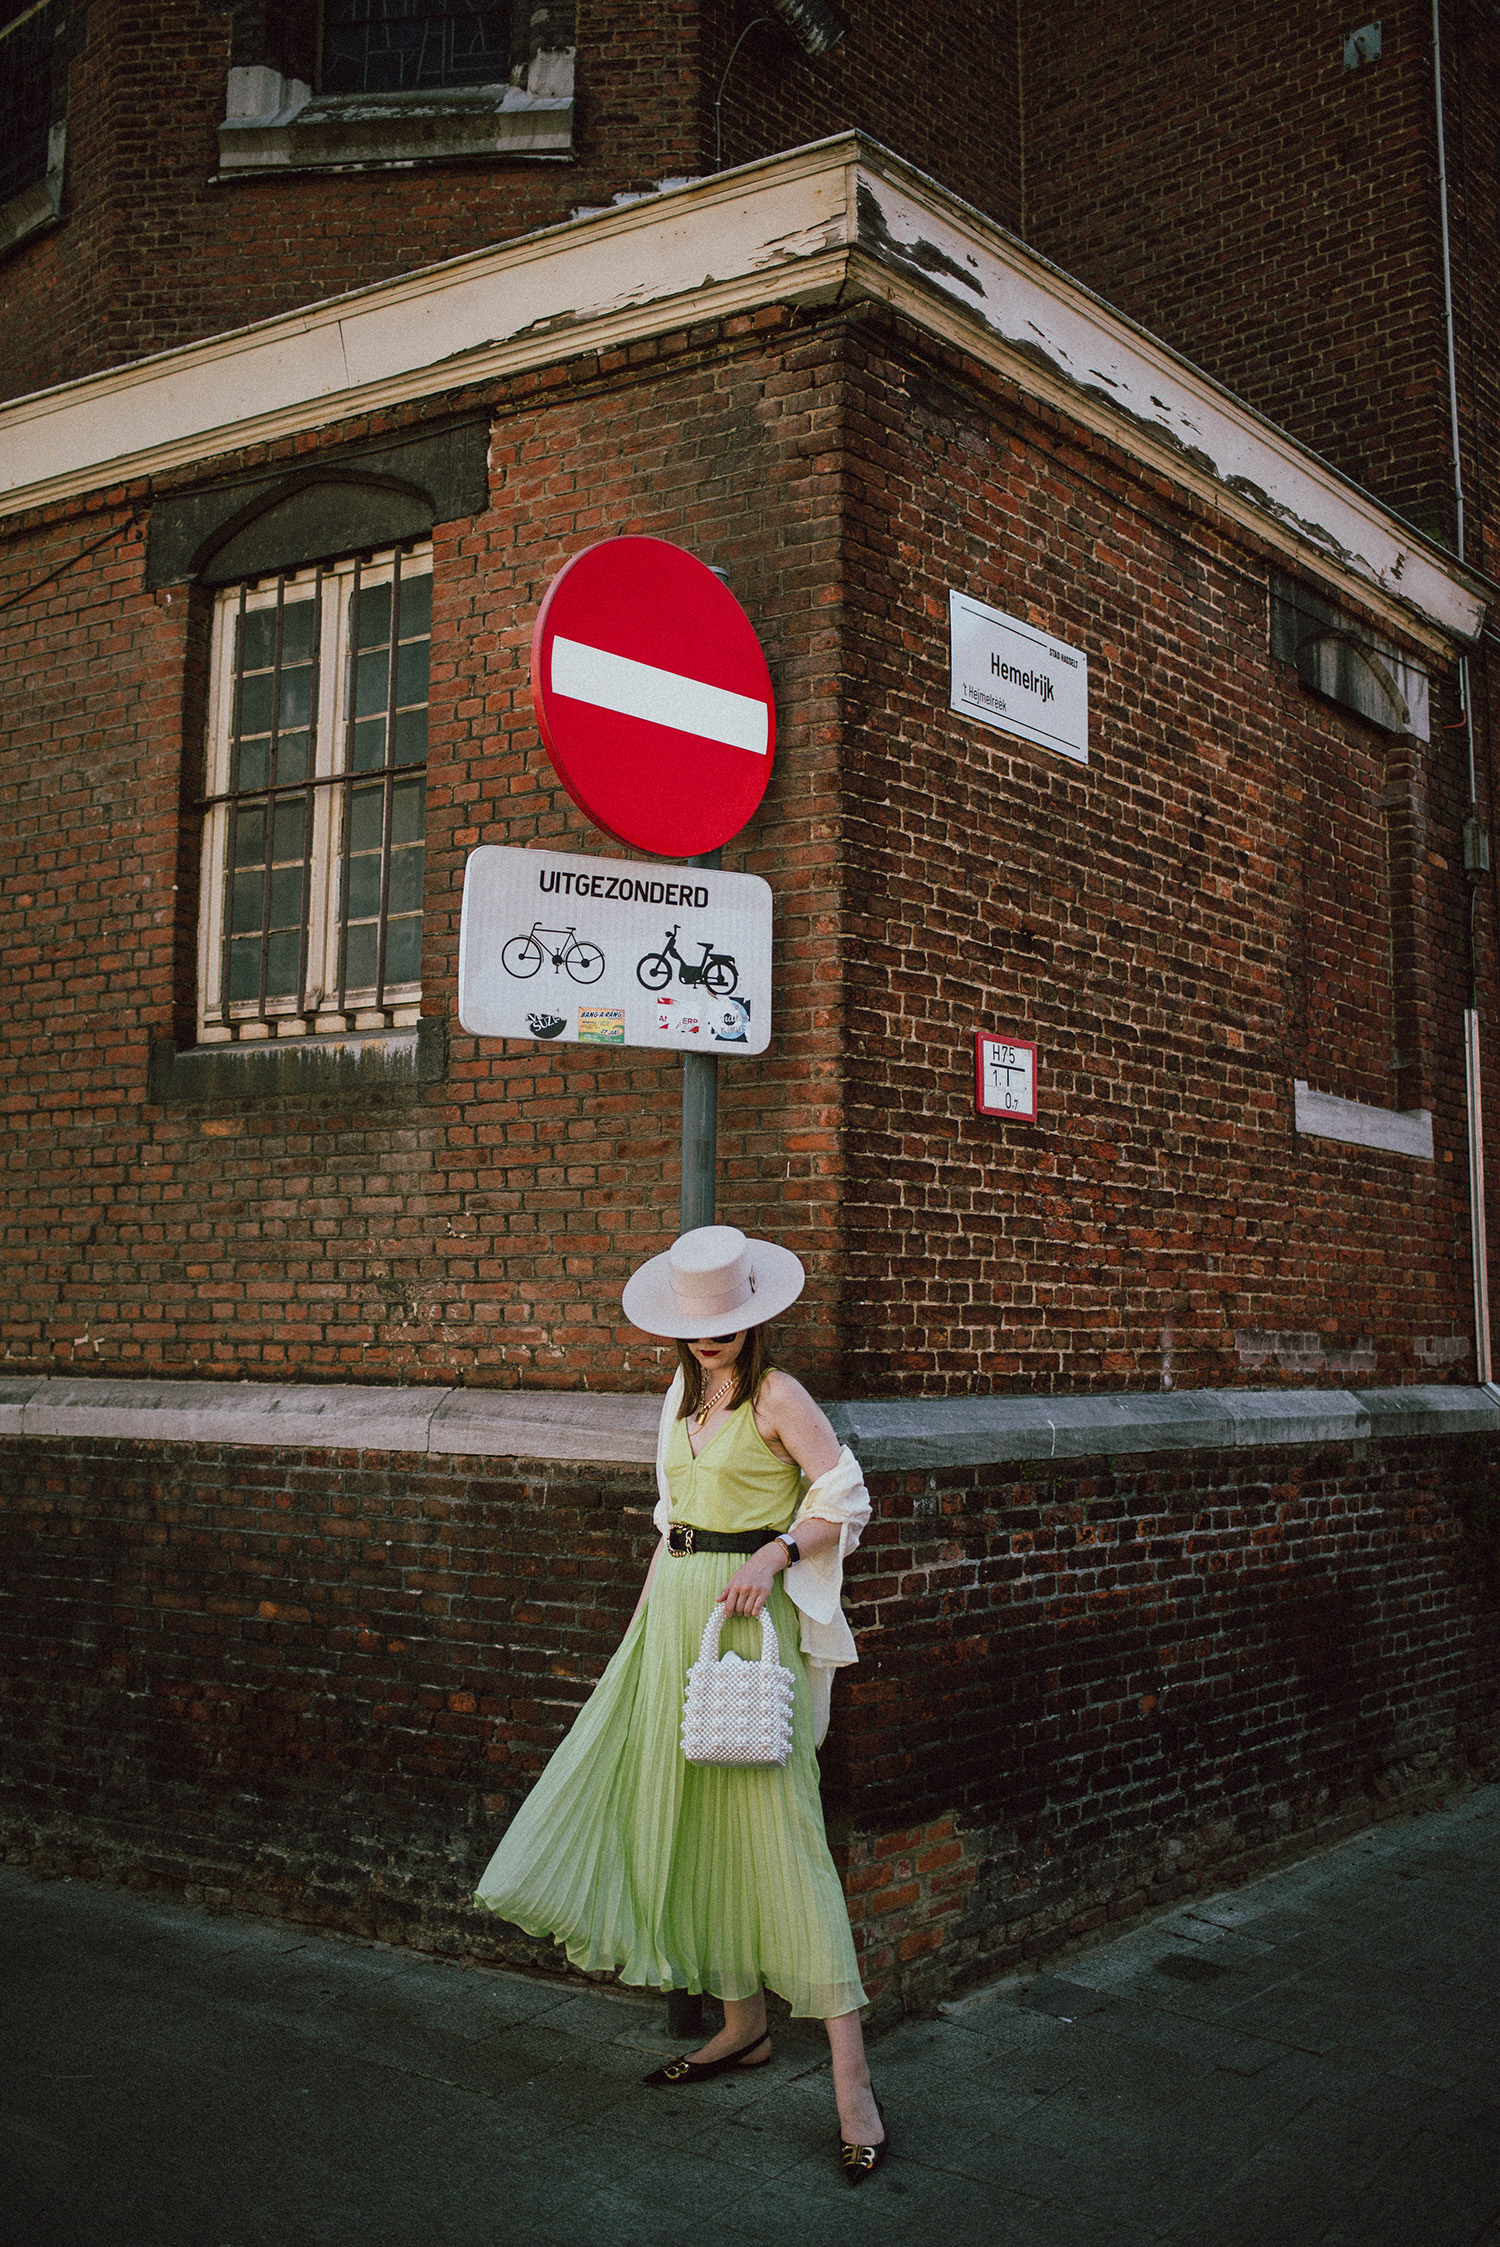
153	253
1200	916
937	85
318	1684
478	1229
1208	910
1226	181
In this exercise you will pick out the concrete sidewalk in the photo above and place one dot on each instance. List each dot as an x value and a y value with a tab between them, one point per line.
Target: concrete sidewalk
1310	2059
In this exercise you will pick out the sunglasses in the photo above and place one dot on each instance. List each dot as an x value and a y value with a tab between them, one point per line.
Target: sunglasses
720	1341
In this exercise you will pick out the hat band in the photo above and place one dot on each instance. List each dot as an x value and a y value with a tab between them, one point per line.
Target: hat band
712	1306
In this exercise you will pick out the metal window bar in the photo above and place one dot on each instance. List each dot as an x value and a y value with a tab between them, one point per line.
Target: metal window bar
231	846
387	792
391	46
269	867
309	798
346	822
273	792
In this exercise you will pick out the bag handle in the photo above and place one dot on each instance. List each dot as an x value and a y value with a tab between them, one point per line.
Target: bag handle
770	1645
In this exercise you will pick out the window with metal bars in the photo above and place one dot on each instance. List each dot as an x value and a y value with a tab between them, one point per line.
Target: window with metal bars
313	846
27	38
406	46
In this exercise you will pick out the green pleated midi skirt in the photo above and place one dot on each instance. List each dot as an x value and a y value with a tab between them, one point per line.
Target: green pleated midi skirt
695	1876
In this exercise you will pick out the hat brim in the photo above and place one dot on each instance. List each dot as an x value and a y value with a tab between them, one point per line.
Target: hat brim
652	1303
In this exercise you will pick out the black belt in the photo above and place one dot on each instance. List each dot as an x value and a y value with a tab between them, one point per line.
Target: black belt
683	1538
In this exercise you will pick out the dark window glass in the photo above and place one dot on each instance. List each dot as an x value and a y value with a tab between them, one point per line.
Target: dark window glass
25	97
402	46
384	845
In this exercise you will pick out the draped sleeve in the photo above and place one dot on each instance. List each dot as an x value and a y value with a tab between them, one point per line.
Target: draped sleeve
816	1585
669	1403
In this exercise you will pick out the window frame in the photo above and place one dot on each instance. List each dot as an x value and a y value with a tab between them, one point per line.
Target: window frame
324	1003
36	202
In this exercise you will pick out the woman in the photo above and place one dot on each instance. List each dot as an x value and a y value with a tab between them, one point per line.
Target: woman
704	1876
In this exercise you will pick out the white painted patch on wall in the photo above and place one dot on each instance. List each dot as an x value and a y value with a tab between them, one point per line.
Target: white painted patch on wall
1303	1353
1322	1115
1442	1349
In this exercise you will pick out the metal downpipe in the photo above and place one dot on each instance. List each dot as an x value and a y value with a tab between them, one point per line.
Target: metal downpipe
1473	1079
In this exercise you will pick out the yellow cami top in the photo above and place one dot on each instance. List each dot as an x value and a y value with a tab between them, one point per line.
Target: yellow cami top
736	1482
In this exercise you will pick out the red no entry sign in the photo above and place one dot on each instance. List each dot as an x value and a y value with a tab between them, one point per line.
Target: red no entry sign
653	697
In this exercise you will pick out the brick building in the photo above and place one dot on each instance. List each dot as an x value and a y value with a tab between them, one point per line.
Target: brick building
326	1446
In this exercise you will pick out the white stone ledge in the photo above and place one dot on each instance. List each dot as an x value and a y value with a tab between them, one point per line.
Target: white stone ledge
887	1435
308	132
1322	1115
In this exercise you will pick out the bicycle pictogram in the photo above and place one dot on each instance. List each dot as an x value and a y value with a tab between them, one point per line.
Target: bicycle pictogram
523	955
716	971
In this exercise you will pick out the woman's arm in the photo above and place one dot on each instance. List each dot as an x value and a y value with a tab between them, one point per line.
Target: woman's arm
794	1427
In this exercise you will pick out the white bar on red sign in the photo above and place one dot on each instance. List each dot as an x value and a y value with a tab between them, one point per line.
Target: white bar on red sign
664	698
612	951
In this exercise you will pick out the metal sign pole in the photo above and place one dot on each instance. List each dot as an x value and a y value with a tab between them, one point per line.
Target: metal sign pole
700	1119
700	1129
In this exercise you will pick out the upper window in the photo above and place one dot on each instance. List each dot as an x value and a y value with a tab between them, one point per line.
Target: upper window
402	46
31	136
311	915
345	83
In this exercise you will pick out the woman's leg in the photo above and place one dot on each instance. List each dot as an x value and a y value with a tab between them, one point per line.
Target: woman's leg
744	2018
859	2124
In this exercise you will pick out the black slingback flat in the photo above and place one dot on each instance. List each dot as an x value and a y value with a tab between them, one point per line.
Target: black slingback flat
860	2162
701	2071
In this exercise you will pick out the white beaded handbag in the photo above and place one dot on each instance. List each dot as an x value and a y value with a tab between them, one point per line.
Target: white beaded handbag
737	1711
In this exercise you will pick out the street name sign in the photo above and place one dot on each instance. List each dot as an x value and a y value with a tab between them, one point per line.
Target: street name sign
606	951
653	697
1004	1076
1008	675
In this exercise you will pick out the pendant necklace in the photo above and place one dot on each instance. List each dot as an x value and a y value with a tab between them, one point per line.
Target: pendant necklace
705	1411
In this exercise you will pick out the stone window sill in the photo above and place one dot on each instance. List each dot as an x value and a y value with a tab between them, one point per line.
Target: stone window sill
279	125
300	1068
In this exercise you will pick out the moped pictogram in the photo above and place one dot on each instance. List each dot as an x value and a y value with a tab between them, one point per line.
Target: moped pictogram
716	971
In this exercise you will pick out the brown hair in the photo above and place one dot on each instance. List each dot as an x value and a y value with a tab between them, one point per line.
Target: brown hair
749	1369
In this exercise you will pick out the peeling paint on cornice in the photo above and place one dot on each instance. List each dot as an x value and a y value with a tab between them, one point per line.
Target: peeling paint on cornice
825	224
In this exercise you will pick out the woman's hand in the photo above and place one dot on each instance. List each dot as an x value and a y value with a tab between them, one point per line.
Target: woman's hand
749	1587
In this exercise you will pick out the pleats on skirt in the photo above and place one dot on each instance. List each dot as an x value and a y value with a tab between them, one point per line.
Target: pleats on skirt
694	1876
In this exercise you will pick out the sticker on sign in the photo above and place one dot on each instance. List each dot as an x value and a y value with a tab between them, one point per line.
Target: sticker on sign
599	951
1006	674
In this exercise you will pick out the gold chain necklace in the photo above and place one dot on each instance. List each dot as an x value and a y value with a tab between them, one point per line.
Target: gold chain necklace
705	1411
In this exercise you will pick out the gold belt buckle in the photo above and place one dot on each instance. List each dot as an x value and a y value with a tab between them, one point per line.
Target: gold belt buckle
684	1530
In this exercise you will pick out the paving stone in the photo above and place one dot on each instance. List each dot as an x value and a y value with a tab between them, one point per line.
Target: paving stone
209	2082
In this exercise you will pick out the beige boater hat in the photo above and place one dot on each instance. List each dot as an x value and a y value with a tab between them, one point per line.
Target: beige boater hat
712	1281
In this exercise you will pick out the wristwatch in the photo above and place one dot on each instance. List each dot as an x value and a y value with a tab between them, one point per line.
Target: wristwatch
792	1553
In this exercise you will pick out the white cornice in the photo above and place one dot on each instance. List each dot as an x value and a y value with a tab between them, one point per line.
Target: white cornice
839	220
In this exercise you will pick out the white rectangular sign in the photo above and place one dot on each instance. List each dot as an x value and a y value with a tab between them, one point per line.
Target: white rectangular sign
611	951
1010	676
